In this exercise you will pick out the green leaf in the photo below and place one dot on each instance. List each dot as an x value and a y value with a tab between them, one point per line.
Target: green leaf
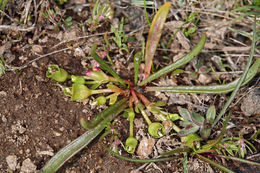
197	119
173	117
214	89
104	65
137	60
184	60
211	114
186	115
155	35
205	131
189	129
112	98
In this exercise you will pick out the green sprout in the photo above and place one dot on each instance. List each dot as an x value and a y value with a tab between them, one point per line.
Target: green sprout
194	122
100	13
120	38
3	4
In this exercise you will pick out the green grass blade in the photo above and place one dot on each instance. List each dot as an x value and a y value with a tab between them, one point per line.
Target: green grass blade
78	144
160	159
245	8
215	89
105	66
214	164
137	60
243	76
241	160
246	14
184	60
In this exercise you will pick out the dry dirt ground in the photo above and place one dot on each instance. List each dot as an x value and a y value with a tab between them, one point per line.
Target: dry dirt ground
37	119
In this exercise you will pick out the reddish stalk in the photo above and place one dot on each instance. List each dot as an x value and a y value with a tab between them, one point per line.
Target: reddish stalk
134	95
143	98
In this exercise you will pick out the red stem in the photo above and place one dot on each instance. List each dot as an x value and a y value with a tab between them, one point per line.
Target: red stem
131	102
143	98
134	96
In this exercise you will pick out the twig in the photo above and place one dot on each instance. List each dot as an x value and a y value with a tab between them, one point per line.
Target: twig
15	28
7	16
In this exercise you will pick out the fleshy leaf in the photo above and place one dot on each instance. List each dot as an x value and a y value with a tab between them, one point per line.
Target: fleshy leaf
186	115
155	35
189	129
81	142
211	114
205	130
68	91
99	76
197	119
173	117
182	61
105	66
112	98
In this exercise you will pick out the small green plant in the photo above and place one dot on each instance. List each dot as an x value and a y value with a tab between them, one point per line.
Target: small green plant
194	122
100	13
3	4
130	98
61	2
57	21
188	31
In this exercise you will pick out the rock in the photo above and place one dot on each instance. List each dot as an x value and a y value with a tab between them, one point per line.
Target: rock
36	49
3	93
145	147
11	161
204	79
28	166
251	103
79	52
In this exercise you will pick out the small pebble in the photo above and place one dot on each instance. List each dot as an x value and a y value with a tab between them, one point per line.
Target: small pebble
251	103
28	166
36	49
11	161
204	79
145	147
